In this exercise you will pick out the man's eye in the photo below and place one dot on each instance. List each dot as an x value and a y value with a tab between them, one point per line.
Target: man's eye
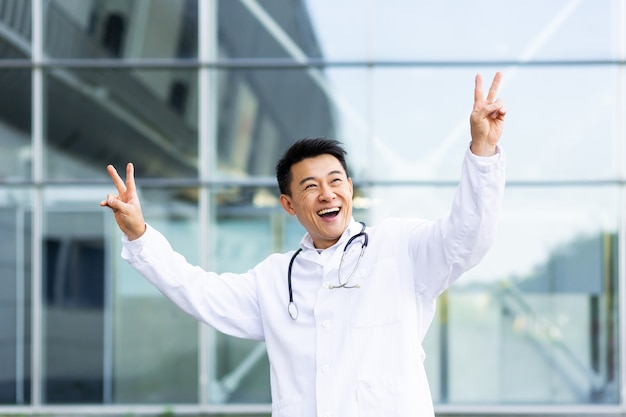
309	186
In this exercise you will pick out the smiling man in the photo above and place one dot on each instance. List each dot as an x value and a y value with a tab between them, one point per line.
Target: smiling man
344	315
316	189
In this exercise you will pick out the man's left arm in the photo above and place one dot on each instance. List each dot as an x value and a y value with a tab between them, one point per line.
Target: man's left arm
471	226
456	243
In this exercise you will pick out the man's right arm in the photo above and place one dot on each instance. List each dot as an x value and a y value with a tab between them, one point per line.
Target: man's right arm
227	302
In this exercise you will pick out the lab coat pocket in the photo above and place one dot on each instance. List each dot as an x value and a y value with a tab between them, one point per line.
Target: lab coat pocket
287	407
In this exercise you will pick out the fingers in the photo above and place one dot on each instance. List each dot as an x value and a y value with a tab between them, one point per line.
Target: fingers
117	180
130	178
478	89
493	90
499	112
495	107
126	191
120	185
112	201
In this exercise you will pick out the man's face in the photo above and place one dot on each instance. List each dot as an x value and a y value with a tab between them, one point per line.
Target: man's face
321	198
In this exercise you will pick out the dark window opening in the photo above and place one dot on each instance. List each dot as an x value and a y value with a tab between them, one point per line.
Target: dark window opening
114	29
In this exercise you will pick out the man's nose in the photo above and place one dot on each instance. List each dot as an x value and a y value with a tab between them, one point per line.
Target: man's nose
326	193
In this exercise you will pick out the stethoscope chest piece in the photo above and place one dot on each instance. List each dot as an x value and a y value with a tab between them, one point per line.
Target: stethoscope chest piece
293	310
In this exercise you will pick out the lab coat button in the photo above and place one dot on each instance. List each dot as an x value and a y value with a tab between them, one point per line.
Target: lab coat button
326	284
327	323
325	368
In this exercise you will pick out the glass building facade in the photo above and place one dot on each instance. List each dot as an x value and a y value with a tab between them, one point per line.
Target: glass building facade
204	95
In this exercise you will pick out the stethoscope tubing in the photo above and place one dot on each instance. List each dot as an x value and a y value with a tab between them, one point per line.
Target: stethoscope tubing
292	309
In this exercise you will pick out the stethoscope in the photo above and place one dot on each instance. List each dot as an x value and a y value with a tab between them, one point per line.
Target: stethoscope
291	307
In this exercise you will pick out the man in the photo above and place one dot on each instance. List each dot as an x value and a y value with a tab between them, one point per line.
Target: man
344	316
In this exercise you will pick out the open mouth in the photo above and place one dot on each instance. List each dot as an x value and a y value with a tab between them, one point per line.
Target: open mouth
329	212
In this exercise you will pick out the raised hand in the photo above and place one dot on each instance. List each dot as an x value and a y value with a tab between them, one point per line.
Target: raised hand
487	118
125	205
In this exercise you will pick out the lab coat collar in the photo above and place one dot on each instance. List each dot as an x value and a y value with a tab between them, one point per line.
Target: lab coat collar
353	228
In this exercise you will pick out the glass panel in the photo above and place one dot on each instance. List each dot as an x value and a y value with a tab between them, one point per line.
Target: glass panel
422	122
260	29
74	287
456	31
262	112
15	125
349	92
536	321
155	344
247	233
15	20
124	29
97	117
241	369
15	300
343	29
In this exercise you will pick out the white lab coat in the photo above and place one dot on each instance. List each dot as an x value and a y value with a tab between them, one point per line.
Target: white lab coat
351	352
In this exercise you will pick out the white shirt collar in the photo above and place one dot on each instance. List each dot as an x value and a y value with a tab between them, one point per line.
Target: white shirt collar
353	228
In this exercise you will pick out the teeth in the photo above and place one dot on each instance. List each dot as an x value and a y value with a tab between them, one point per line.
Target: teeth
326	211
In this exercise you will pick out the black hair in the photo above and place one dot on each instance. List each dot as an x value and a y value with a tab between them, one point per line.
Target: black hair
306	148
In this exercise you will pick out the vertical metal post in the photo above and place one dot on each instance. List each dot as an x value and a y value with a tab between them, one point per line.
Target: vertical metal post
444	359
370	124
20	304
621	140
207	114
37	203
107	337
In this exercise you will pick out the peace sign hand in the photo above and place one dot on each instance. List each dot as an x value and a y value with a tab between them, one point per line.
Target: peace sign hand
125	205
487	118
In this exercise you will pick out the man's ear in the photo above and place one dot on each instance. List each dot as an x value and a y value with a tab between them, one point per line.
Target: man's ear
287	204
